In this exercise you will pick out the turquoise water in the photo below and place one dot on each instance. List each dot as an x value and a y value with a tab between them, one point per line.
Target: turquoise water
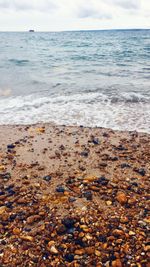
93	78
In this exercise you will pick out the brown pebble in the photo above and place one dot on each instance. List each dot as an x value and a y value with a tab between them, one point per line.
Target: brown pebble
27	238
121	197
117	263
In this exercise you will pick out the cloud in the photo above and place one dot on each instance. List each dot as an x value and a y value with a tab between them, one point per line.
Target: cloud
23	5
91	9
73	14
126	4
89	12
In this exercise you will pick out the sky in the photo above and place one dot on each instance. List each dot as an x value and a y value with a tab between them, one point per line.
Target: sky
60	15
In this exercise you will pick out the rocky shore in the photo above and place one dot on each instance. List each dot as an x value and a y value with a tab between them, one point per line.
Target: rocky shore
74	196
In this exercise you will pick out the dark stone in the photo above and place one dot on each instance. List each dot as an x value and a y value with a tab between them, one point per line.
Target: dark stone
80	242
85	153
45	255
2	193
47	178
125	165
134	184
3	242
9	205
102	239
120	147
62	147
114	158
88	195
5	176
11	192
102	180
141	171
105	135
12	217
35	260
11	146
9	187
68	222
69	257
72	199
60	189
61	229
95	141
112	257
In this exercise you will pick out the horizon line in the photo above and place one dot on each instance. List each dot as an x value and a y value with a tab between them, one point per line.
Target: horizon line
81	30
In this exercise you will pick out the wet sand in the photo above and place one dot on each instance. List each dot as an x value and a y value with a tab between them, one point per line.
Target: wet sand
73	196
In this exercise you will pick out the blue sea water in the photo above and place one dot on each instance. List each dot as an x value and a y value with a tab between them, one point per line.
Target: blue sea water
91	78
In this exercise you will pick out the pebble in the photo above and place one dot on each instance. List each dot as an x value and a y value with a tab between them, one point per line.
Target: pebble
97	253
27	238
2	209
33	219
53	250
60	189
95	141
131	233
88	195
117	263
121	197
108	203
47	178
16	231
69	257
11	146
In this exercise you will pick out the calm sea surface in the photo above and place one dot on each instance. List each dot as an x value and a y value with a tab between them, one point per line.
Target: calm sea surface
92	78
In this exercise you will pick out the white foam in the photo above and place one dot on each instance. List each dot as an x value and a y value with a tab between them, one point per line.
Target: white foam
88	109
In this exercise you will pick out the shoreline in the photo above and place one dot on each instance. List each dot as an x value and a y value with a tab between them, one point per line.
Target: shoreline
73	196
51	124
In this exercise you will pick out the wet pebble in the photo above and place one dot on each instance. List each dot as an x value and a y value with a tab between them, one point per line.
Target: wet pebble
60	189
47	178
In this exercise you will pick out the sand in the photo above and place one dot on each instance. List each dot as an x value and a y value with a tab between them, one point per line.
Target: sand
73	196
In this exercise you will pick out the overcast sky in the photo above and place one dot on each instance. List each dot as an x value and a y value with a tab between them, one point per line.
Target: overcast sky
57	15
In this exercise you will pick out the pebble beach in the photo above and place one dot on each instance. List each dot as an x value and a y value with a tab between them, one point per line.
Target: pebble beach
73	196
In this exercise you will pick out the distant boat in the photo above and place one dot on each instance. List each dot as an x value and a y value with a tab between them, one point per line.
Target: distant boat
31	30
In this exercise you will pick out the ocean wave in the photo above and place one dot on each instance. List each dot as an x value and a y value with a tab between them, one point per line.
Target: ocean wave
90	109
19	62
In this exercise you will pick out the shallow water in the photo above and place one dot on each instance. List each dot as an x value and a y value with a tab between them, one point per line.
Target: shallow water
93	78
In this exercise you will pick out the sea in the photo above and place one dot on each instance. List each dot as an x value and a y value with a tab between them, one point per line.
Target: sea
89	78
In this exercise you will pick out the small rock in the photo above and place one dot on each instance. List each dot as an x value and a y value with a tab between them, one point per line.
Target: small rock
27	238
33	218
117	263
47	178
125	165
88	195
131	233
53	250
68	222
84	153
79	251
97	253
2	168
90	250
121	197
61	229
11	146
2	209
16	231
69	257
95	141
108	203
103	181
141	171
60	189
118	232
